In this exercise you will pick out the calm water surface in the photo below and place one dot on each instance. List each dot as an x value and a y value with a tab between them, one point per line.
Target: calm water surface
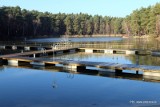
83	39
113	58
102	42
56	87
26	87
22	87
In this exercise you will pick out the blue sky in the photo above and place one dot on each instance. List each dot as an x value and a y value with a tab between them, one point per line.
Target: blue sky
118	8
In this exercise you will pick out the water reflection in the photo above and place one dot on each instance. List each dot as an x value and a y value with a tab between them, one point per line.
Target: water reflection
145	60
70	74
28	87
54	84
108	42
113	58
86	39
126	74
131	43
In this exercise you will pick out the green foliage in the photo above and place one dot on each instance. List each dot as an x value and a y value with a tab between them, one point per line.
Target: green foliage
16	23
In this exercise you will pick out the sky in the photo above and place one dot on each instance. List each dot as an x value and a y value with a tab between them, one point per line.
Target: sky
116	8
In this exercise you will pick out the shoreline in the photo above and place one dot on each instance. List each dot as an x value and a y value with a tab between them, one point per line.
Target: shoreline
98	35
79	36
141	37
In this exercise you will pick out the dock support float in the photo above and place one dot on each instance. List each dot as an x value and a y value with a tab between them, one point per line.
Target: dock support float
16	62
75	68
131	52
13	62
151	73
72	51
108	51
37	63
14	47
27	48
88	50
81	68
137	72
118	71
1	61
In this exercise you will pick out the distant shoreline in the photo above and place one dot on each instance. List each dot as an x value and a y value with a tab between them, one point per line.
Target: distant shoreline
98	35
81	36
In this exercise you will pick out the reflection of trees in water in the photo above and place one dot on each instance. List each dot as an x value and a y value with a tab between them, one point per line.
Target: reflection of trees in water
145	60
142	60
82	55
77	56
144	43
130	43
105	45
100	57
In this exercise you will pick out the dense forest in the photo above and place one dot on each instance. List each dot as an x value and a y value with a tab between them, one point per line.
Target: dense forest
17	23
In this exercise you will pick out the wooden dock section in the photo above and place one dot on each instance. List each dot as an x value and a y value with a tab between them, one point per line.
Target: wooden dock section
81	65
117	51
87	50
33	58
38	52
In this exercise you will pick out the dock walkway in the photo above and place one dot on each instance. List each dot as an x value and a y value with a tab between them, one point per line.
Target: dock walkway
34	52
30	57
76	64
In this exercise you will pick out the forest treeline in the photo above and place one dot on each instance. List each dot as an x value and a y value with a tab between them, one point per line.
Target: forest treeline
17	23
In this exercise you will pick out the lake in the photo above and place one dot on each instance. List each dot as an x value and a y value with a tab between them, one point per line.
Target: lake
103	42
82	39
27	86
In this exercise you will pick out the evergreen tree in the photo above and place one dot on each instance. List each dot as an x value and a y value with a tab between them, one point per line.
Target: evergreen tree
16	23
69	25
